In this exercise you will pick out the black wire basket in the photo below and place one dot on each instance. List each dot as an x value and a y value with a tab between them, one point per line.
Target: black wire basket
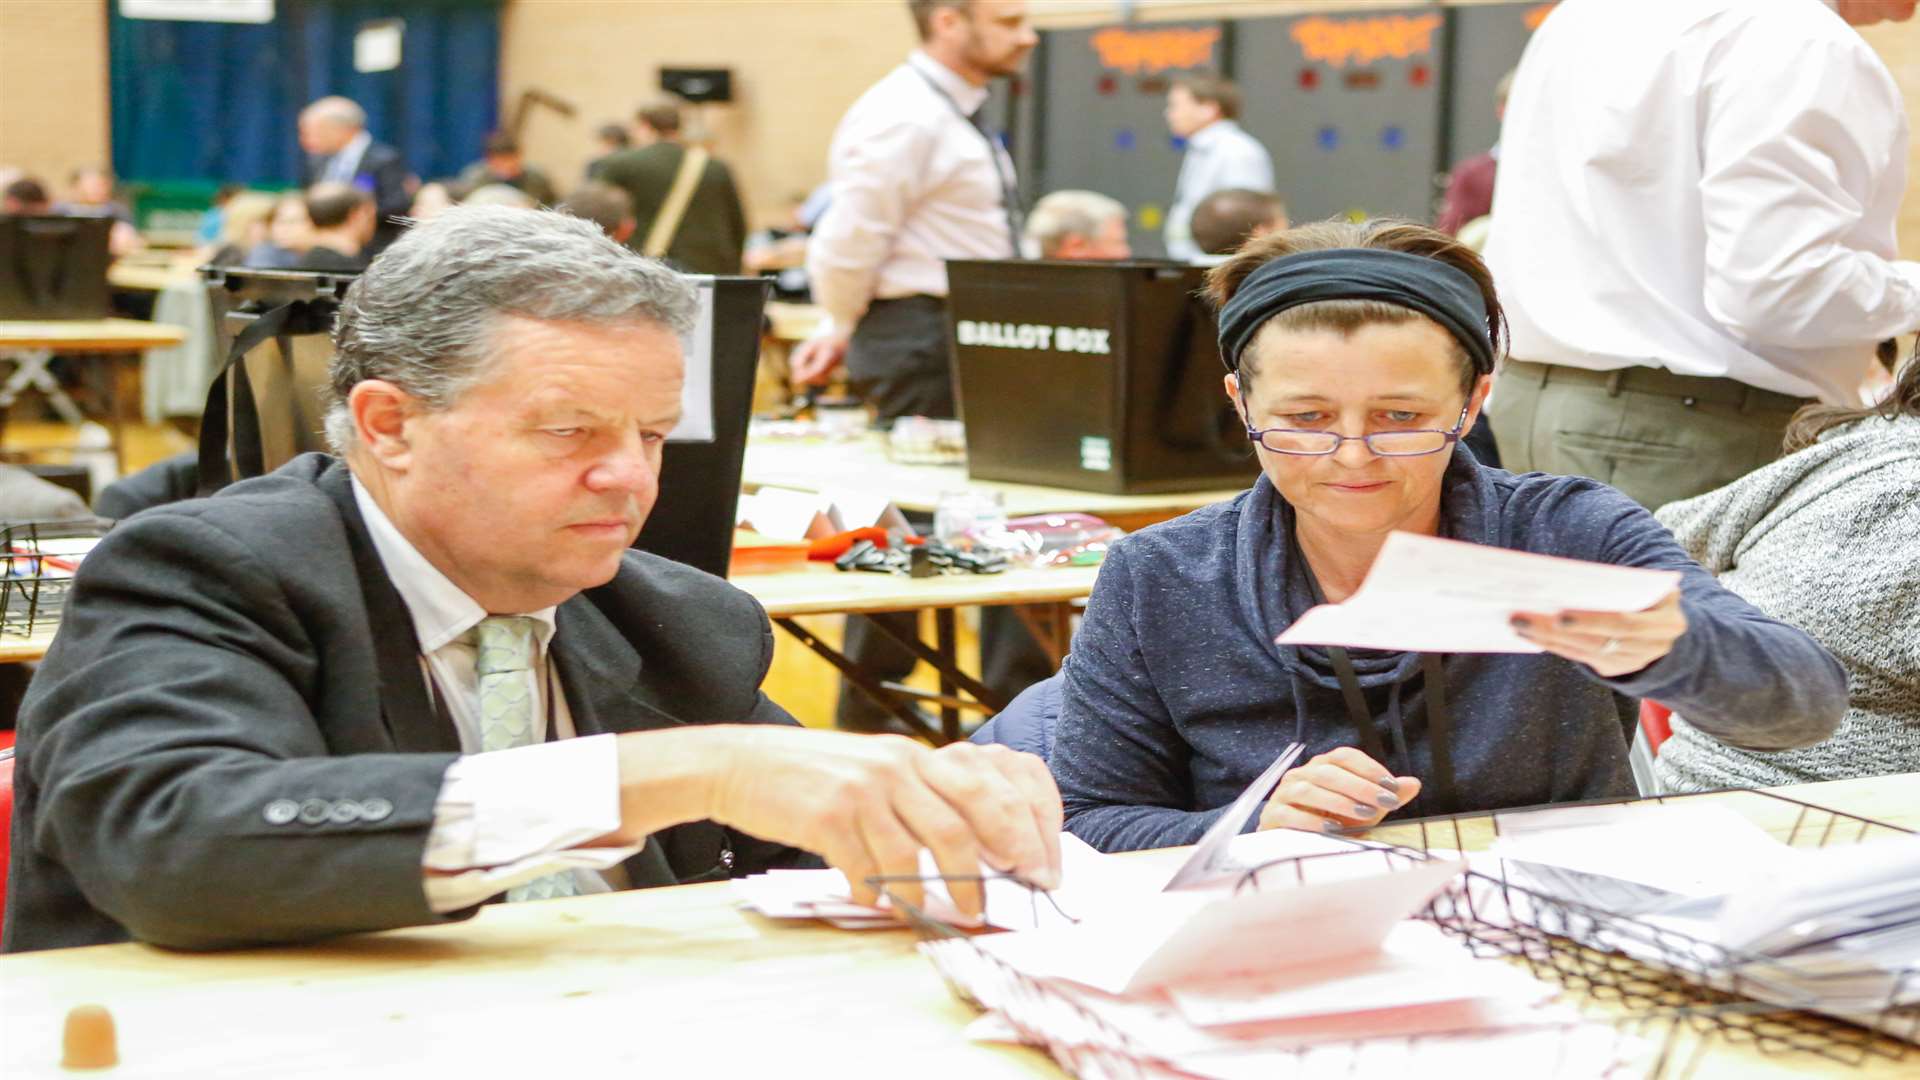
36	572
1609	956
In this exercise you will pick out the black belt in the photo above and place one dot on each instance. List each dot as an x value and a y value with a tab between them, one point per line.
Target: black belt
1660	381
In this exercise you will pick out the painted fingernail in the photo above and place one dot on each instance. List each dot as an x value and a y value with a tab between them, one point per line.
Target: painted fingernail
1329	825
1390	784
1391	802
1520	622
1362	810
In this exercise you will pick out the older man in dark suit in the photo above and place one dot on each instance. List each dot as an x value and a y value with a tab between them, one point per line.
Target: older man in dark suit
333	132
378	690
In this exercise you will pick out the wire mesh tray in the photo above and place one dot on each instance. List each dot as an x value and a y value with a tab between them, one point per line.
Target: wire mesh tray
1629	963
37	560
1068	1024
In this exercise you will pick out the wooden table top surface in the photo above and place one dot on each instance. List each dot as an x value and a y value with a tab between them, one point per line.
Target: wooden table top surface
862	465
673	981
89	335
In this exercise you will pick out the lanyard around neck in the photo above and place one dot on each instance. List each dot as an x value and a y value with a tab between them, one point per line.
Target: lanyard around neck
1009	199
1439	720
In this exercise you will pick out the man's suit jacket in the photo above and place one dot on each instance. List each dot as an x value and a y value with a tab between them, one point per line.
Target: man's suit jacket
382	174
225	660
713	233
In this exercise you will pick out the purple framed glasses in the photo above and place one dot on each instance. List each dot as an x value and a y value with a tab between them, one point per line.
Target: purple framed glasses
1381	443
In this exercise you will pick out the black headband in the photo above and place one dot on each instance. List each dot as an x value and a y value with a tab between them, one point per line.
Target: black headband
1433	288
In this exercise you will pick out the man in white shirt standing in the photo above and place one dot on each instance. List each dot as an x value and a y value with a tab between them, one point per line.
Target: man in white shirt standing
1204	109
917	180
374	691
1695	237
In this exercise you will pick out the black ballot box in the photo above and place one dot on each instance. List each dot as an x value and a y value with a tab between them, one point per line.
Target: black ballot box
1098	376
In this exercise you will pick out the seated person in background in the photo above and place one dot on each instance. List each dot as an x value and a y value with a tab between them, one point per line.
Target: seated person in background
374	691
289	235
498	195
429	201
1359	353
604	205
343	219
90	192
502	163
213	223
1822	538
245	223
1077	225
25	195
1226	219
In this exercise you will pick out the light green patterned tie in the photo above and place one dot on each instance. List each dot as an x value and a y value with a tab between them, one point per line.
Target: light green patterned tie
503	655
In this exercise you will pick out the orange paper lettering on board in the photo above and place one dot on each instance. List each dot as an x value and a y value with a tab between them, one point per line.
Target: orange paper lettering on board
1535	16
1150	51
1362	41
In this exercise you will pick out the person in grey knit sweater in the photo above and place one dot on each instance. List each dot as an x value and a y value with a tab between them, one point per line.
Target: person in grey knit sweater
1359	354
1824	539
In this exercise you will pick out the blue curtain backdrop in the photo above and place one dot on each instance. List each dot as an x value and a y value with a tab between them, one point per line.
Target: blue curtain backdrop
218	101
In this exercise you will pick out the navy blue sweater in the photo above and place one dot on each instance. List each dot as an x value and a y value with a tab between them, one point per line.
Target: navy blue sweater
1176	696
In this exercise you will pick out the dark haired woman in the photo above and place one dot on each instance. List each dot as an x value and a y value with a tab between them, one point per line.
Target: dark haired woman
1824	538
1359	353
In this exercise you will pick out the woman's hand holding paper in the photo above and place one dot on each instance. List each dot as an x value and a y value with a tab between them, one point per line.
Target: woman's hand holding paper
1612	643
1340	789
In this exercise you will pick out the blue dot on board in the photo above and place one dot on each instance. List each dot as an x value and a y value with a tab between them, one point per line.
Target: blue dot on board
1123	139
1328	138
1393	137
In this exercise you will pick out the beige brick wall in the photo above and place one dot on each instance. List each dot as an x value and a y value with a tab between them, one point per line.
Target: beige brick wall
53	86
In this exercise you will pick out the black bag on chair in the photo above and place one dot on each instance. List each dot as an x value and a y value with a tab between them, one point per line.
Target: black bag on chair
268	403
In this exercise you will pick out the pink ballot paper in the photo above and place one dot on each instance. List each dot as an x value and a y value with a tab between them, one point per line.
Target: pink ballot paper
1425	594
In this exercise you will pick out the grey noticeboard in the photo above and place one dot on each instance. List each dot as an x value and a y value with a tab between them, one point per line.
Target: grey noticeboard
1101	104
1350	106
1487	43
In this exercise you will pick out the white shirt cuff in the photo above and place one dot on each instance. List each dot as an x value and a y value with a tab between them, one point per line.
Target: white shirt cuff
506	817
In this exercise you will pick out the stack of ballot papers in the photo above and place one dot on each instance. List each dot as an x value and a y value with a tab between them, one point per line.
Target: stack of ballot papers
1698	890
1262	952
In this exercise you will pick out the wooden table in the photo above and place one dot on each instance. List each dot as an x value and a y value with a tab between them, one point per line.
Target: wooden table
862	465
663	982
139	274
1043	598
31	346
15	649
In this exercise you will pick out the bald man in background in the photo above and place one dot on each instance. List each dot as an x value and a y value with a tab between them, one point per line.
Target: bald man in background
333	132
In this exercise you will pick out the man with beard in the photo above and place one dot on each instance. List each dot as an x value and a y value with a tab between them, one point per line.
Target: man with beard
917	180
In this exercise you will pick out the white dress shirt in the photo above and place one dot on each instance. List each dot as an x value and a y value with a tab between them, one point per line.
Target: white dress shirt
345	165
1219	156
914	184
1708	186
504	817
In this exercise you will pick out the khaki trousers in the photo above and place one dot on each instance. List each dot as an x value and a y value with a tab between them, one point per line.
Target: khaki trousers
1657	436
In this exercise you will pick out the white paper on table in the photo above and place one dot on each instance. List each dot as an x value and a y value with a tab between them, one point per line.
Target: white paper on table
1091	883
696	388
1416	964
1425	594
1722	851
1212	860
1193	936
1567	1051
786	514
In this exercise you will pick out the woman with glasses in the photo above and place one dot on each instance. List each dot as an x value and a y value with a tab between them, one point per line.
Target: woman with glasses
1358	354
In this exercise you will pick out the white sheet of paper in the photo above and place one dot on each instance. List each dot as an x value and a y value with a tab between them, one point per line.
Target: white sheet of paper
1723	850
1212	860
696	393
1425	594
1416	964
1197	936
